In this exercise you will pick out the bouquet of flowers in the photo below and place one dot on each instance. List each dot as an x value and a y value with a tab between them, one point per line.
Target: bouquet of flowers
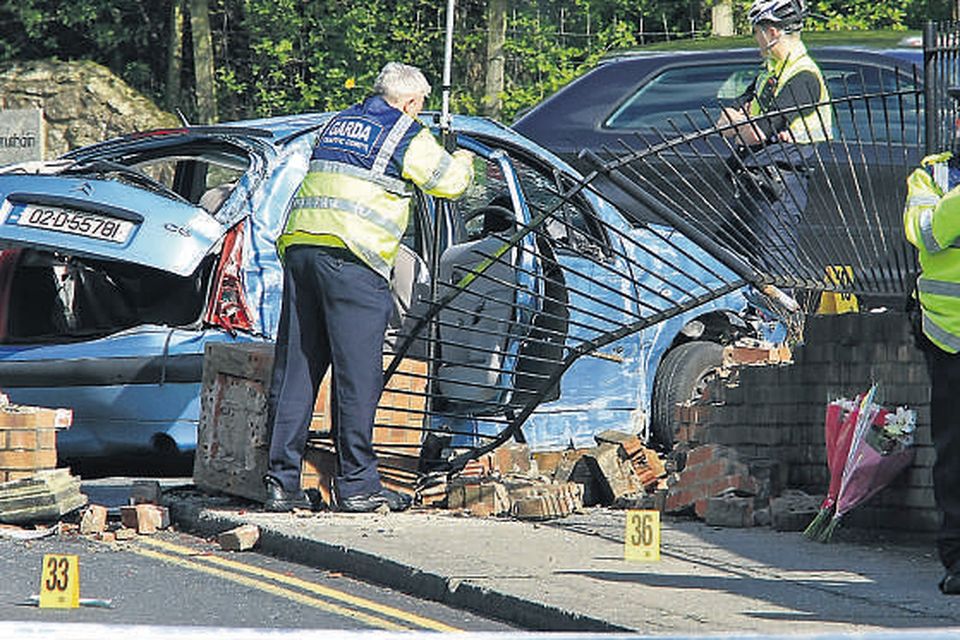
867	447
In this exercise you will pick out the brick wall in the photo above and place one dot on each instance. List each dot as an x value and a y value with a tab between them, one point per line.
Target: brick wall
777	412
28	439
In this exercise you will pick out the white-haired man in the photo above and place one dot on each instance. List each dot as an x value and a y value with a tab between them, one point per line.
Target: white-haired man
338	248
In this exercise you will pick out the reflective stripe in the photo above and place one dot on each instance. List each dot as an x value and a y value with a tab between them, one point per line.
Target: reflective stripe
938	287
393	185
926	231
923	201
938	334
390	144
340	204
374	260
941	176
437	174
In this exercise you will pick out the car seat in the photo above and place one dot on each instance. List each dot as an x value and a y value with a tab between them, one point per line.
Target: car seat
477	326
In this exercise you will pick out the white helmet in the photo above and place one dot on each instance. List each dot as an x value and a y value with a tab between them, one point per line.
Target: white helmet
785	14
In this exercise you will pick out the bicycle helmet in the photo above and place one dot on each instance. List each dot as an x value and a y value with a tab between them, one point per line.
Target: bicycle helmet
786	14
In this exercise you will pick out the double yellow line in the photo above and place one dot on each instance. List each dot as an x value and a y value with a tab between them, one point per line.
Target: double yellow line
373	614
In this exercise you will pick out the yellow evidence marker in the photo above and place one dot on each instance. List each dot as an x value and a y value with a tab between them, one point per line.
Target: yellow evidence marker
60	582
642	537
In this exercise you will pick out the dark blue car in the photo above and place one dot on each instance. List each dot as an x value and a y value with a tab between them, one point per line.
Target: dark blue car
638	98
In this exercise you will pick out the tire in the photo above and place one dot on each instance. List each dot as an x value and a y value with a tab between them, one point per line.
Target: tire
680	377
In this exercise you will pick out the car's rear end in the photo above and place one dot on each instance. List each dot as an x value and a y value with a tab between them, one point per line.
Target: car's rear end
119	263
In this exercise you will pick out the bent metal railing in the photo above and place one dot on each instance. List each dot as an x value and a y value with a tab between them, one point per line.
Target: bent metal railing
468	369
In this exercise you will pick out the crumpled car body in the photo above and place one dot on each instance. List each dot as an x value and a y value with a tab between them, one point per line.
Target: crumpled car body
121	261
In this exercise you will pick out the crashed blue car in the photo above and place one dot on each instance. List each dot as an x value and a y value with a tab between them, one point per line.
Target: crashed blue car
121	261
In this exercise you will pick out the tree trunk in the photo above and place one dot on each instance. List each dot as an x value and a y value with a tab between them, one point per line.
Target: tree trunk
496	35
174	55
206	87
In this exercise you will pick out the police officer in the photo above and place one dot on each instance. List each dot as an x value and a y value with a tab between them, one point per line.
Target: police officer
774	124
931	221
338	249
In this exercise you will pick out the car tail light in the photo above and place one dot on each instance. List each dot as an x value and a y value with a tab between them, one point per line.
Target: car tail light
228	304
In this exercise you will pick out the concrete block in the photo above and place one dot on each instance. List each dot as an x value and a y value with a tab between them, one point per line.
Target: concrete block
629	444
793	511
616	478
729	511
239	538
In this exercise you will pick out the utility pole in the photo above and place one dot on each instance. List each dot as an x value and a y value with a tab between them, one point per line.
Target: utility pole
206	87
496	36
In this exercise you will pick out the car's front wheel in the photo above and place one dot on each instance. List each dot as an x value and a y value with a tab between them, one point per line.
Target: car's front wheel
681	376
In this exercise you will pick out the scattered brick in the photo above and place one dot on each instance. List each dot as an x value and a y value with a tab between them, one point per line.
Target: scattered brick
93	520
124	534
710	471
145	519
545	501
241	538
481	498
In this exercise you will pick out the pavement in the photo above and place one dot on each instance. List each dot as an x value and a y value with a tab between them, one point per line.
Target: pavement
570	574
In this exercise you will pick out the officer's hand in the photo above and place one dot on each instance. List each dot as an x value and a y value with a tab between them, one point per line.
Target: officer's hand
463	155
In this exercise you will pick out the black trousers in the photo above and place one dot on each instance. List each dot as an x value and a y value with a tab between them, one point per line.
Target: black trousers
945	431
765	221
335	311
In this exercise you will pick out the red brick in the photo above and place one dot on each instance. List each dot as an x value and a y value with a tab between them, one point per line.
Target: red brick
22	439
28	460
701	454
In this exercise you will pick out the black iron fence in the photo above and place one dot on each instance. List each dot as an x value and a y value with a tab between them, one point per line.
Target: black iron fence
941	73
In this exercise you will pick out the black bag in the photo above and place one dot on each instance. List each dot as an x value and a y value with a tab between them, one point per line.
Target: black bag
763	181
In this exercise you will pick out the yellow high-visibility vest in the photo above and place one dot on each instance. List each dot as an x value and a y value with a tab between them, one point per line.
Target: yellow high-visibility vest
358	190
816	126
931	222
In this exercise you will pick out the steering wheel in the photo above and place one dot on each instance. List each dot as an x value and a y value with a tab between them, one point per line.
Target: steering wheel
495	218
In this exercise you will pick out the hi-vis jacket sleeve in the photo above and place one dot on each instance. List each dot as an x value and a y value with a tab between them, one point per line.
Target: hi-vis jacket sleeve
438	173
946	219
931	218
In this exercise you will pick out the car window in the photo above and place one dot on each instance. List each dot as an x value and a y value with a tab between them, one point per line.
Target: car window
572	225
487	203
880	118
680	93
675	93
193	177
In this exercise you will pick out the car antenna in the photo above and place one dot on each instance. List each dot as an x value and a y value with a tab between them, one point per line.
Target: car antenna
446	120
183	118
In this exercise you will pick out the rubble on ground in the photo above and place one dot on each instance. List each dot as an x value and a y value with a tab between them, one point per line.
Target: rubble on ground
43	497
511	481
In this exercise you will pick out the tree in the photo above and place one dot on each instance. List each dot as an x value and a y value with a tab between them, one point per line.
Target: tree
203	63
496	34
174	55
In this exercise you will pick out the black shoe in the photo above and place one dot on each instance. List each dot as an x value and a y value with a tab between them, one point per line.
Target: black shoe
950	584
279	500
366	502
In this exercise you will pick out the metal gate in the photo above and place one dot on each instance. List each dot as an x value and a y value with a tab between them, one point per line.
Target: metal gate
941	74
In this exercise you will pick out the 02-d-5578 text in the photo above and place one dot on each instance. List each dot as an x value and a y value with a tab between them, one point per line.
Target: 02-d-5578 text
77	223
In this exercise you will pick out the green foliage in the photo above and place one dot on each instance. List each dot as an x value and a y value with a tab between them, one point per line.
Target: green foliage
286	56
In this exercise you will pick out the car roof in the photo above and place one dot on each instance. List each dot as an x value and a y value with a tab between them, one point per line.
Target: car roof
741	53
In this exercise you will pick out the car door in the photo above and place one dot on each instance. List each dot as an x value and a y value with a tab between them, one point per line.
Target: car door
491	275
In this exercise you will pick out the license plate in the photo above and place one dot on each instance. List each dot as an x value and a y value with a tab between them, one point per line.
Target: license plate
78	223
